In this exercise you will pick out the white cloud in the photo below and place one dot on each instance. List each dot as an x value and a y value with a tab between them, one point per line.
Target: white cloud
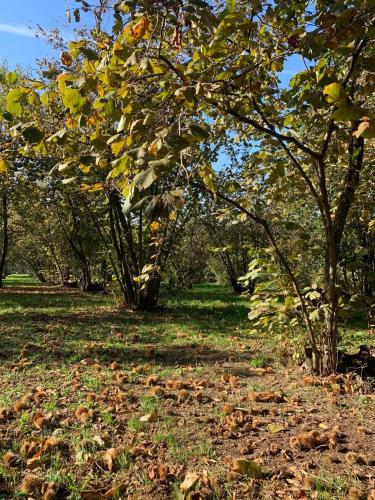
16	29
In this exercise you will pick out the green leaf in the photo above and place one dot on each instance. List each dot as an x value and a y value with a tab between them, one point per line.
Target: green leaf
347	112
145	179
11	77
13	104
7	116
72	99
200	131
334	93
32	134
59	137
177	142
34	99
248	468
160	165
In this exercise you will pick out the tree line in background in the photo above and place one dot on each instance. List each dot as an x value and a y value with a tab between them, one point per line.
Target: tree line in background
168	147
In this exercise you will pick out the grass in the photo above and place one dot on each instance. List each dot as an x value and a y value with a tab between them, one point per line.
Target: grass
198	335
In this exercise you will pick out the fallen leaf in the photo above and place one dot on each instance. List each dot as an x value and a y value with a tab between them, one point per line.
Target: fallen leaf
52	444
182	396
152	380
114	366
109	458
31	485
274	428
248	468
28	449
190	481
150	417
10	459
157	391
266	397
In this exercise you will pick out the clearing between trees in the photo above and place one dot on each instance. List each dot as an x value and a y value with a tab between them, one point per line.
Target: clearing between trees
183	402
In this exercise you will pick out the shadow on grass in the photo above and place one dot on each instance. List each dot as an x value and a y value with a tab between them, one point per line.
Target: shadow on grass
60	325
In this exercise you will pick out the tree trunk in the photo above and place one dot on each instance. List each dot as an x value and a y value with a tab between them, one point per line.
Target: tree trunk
4	250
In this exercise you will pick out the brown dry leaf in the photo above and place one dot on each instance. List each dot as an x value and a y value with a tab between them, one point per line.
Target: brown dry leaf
40	420
150	351
157	391
91	396
5	414
50	491
176	38
228	409
141	29
150	417
66	59
84	414
87	362
152	380
52	444
354	493
190	481
116	491
309	380
315	439
10	459
109	458
233	381
121	397
114	366
99	440
260	371
175	385
308	483
363	429
199	396
121	377
138	369
39	395
183	395
28	449
266	397
22	404
31	485
35	462
355	458
248	468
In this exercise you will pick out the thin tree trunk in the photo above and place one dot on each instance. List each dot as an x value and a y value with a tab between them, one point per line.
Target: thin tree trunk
4	250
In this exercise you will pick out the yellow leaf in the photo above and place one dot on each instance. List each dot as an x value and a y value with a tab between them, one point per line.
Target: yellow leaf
275	428
4	165
118	146
154	226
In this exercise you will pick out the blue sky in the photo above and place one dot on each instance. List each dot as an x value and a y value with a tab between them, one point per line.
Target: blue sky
18	44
